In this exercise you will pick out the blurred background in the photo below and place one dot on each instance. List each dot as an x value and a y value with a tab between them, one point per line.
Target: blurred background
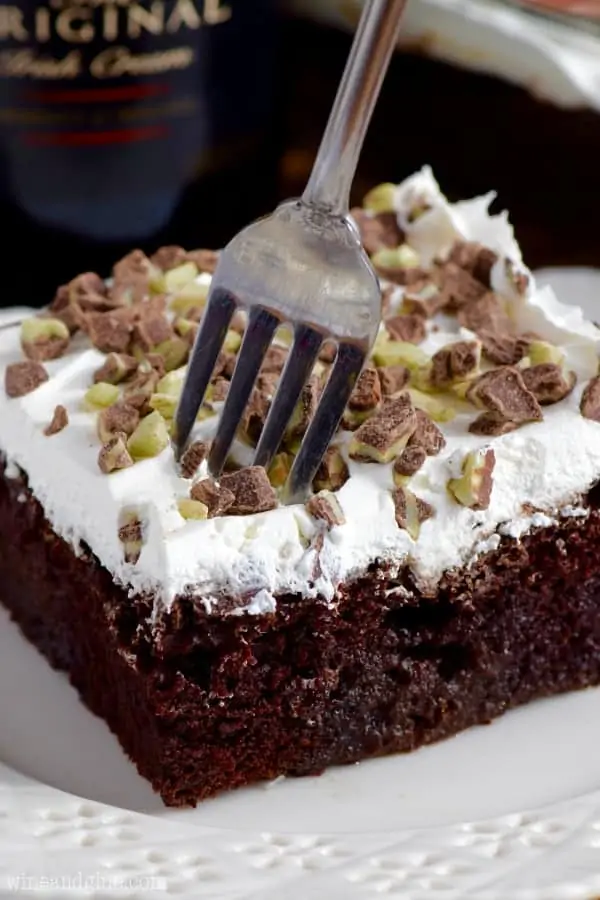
142	122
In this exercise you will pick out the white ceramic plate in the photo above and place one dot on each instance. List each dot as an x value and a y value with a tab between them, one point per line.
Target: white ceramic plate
510	811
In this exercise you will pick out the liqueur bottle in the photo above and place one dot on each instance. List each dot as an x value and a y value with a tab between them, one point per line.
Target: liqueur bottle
129	123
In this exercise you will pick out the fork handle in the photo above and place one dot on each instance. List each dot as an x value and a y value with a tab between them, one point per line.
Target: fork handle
333	171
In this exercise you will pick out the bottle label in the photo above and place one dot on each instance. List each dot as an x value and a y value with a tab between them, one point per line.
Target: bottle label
109	105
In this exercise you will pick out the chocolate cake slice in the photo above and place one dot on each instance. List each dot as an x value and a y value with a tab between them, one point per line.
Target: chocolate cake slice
445	568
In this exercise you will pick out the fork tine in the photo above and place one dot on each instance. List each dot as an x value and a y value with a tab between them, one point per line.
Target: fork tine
261	327
346	369
215	321
302	356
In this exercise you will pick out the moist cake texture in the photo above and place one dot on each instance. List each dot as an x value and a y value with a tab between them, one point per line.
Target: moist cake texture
444	570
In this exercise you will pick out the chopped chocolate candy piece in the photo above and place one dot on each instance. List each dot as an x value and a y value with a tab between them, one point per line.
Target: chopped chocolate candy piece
23	377
44	338
503	391
100	395
392	379
410	461
305	408
490	424
454	363
377	231
151	330
60	420
275	359
139	390
131	535
423	298
387	295
486	313
220	389
150	437
382	437
397	264
156	362
131	277
333	473
427	435
255	414
109	331
590	400
411	511
328	352
410	328
205	260
168	257
117	367
476	259
398	353
502	349
548	383
252	490
217	498
325	507
474	487
458	288
120	418
114	455
367	390
195	454
174	353
225	364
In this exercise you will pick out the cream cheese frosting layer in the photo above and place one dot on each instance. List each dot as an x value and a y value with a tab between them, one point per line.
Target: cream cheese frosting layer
544	465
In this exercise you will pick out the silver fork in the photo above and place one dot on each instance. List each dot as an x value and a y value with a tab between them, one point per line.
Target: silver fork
303	266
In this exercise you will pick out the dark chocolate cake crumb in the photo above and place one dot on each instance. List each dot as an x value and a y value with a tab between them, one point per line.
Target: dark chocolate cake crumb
217	498
60	420
191	460
589	405
548	383
503	391
23	377
252	490
325	507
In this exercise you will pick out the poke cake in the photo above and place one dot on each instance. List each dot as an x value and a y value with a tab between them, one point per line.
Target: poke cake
445	568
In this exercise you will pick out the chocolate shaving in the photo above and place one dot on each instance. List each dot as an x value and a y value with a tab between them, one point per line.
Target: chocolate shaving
252	490
409	328
548	383
367	391
60	420
590	400
377	232
453	363
503	392
109	331
217	498
427	435
392	379
475	259
333	473
410	460
117	367
23	377
193	457
169	257
325	507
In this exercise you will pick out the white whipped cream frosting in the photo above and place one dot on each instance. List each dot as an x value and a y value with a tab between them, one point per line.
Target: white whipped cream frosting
547	465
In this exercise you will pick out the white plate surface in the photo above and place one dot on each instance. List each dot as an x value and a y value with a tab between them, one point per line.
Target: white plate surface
510	811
